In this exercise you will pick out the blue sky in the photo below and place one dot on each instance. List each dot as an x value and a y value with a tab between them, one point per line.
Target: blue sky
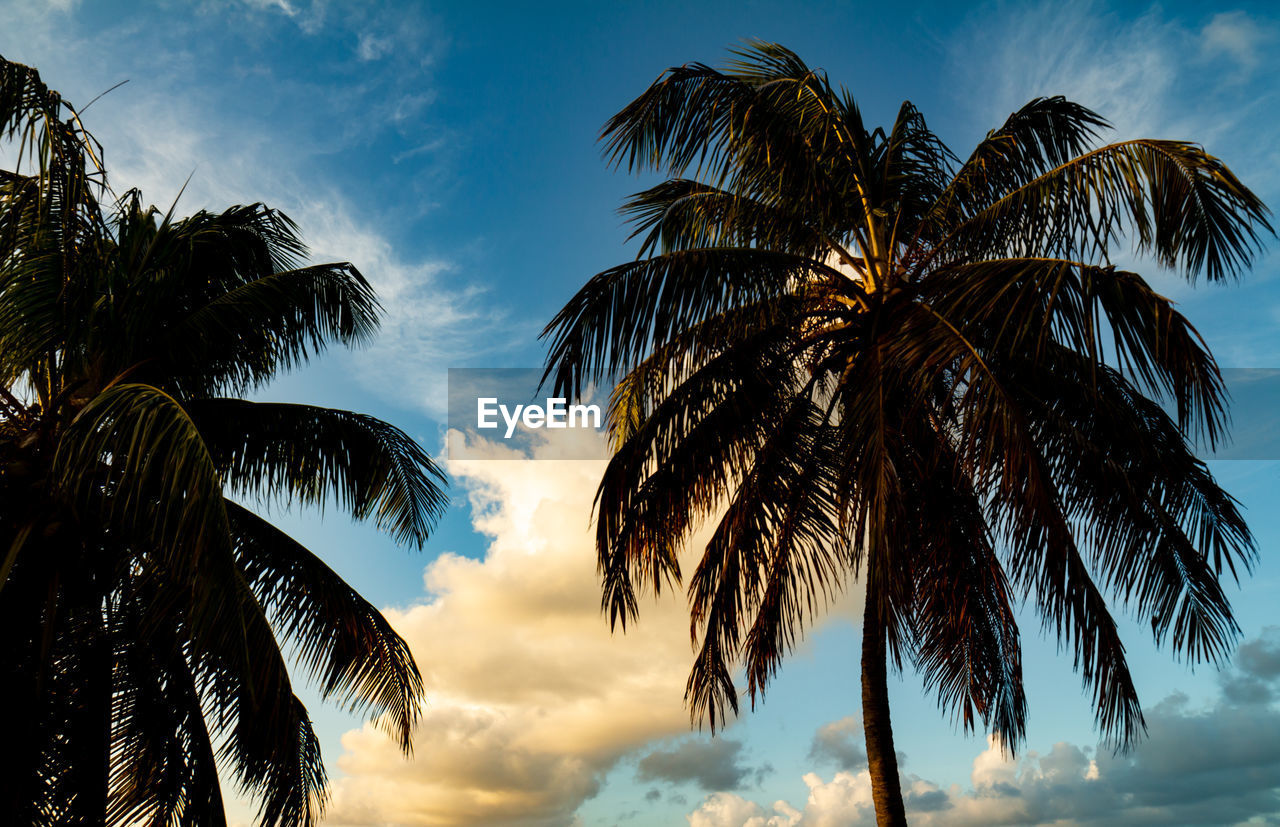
449	151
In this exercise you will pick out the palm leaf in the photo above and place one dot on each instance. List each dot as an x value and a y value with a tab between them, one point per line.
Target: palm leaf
342	640
307	454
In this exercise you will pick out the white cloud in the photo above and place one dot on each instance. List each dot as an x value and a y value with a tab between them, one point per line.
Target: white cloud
1218	764
1153	75
279	5
28	11
1235	35
727	810
372	47
431	320
531	698
1126	71
158	131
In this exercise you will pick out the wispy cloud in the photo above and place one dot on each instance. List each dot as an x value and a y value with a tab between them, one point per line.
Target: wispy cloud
1237	36
1151	75
284	6
170	125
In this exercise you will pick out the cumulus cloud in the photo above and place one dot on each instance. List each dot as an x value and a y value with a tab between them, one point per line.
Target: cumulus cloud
711	763
1213	764
531	698
1256	678
839	743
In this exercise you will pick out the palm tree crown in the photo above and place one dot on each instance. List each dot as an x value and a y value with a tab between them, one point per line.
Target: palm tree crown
142	605
866	358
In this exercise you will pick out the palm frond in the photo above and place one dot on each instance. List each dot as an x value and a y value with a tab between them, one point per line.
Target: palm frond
681	214
243	337
135	458
624	312
306	454
1042	135
1007	306
341	639
163	767
1184	207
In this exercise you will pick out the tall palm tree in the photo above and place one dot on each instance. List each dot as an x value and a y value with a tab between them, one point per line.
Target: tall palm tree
144	606
870	360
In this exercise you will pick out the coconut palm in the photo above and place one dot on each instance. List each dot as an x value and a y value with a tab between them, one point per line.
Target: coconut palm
146	607
869	360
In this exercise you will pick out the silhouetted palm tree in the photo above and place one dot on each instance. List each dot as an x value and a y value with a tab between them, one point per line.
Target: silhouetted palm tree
140	604
872	360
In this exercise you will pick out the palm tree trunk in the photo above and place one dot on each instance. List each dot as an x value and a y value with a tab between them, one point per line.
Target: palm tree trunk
882	761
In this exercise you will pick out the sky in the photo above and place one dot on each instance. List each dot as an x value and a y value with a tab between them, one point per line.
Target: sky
449	151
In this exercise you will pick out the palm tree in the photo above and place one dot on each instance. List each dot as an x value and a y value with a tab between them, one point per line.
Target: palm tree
144	607
869	360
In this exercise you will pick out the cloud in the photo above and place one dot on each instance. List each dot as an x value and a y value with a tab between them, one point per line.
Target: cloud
711	763
27	12
725	809
165	128
372	47
1125	70
1151	75
839	743
283	6
1256	678
1235	35
531	698
1216	764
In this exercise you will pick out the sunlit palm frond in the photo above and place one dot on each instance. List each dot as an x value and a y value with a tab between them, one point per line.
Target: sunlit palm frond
681	214
624	312
783	523
1044	134
1182	205
695	430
